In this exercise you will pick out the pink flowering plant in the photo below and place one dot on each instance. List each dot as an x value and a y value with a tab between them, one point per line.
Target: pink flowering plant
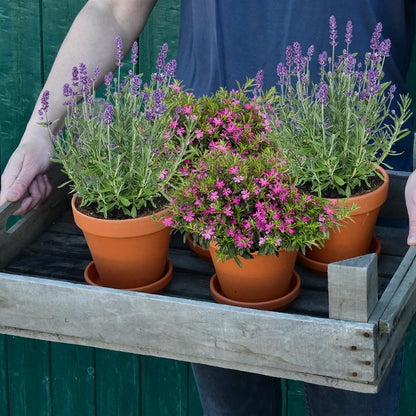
336	132
122	153
248	203
236	117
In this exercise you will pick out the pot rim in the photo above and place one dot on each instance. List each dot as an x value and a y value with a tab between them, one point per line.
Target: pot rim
129	227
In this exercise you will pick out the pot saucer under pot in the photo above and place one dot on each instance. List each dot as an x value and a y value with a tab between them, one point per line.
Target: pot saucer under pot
92	278
278	304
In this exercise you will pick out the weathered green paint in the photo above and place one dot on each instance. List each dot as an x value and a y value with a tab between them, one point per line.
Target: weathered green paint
73	380
39	378
118	383
20	69
4	400
29	380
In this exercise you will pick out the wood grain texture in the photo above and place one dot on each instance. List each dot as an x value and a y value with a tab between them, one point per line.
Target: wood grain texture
352	288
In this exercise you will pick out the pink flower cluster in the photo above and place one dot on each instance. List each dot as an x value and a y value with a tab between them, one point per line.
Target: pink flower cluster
248	203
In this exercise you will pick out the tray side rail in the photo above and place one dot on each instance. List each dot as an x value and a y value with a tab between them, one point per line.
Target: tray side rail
27	228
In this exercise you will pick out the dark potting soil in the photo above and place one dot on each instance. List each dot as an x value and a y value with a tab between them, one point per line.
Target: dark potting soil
118	214
374	182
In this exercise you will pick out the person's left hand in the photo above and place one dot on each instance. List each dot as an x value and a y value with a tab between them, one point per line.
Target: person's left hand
410	195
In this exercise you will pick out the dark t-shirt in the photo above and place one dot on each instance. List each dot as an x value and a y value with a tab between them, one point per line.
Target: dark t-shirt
224	41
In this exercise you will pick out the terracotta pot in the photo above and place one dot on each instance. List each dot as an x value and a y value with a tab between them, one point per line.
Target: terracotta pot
202	253
355	237
261	278
127	253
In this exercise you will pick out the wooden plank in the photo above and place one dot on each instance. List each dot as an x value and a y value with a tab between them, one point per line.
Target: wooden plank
352	288
4	392
257	341
194	403
118	383
164	387
20	70
73	380
155	35
407	386
402	303
57	17
30	226
29	379
391	289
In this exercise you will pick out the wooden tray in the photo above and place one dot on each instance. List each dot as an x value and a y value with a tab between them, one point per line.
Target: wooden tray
346	336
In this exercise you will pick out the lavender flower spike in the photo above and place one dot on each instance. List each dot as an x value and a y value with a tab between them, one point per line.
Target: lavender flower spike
348	33
134	53
107	115
119	51
259	80
333	31
44	102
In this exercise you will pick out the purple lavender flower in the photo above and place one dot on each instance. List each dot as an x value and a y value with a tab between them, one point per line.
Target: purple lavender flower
95	73
108	79
311	51
107	115
280	70
289	56
384	48
322	93
348	32
373	85
160	63
44	102
323	57
119	51
392	90
75	76
375	38
259	80
134	53
84	79
67	91
136	81
170	68
333	31
350	64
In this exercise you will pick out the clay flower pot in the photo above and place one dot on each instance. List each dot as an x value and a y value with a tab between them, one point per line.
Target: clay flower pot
260	279
356	236
202	253
130	253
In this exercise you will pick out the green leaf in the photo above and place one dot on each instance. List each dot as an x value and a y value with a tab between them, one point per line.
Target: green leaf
339	180
124	201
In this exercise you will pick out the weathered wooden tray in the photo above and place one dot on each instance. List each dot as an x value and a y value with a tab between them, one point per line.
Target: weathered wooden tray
345	337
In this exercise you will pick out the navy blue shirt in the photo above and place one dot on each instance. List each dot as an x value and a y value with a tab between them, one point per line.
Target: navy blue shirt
224	41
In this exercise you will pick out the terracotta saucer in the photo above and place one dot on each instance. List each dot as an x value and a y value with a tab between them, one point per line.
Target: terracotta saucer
321	268
92	278
203	253
278	304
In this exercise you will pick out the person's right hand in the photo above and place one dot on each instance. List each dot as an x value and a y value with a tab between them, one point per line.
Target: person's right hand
25	172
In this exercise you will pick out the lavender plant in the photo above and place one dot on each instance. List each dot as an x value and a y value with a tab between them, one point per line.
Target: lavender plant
122	153
248	203
336	132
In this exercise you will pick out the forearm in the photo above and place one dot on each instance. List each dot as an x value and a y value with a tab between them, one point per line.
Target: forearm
91	41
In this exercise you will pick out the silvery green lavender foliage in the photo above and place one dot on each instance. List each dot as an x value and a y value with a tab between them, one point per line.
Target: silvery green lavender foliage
334	133
121	153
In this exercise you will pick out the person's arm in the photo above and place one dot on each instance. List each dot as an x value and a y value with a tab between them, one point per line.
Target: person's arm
90	40
410	194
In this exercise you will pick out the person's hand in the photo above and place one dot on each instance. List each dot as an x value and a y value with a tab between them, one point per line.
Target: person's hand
25	172
410	194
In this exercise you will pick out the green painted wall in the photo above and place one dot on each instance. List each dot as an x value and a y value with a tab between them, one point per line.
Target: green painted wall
41	378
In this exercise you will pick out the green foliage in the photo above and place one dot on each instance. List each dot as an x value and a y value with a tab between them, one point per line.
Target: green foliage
335	132
122	153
